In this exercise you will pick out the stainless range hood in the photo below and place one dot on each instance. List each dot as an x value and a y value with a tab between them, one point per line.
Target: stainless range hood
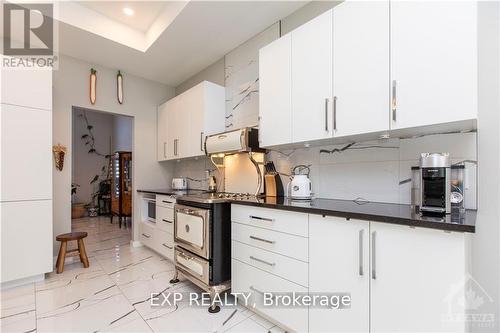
242	140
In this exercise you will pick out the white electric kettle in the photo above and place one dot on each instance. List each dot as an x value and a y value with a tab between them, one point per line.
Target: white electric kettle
300	186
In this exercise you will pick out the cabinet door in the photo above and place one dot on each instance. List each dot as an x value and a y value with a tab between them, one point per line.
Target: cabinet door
275	96
193	105
434	62
162	132
172	112
339	263
26	247
26	156
312	79
414	279
182	126
361	67
30	88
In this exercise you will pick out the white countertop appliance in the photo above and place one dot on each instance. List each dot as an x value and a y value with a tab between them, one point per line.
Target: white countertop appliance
179	183
300	186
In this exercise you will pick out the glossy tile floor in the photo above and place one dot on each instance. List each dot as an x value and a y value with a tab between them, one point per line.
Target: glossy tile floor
113	294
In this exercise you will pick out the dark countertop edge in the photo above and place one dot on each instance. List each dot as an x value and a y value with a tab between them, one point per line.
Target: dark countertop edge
155	191
367	217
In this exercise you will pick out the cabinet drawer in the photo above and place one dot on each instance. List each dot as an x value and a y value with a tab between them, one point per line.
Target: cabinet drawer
164	244
285	244
287	268
165	201
165	219
273	219
248	279
147	234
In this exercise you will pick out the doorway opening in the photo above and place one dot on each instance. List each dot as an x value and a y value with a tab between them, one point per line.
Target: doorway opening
101	179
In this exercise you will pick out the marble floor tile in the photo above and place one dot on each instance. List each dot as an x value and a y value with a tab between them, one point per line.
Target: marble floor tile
17	309
114	294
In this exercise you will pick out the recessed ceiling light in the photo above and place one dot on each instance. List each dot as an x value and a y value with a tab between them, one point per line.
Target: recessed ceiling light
128	11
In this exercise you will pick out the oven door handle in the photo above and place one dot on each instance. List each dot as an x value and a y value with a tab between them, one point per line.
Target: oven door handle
188	211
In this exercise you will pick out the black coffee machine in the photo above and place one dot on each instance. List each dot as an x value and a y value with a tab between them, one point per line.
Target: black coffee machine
435	171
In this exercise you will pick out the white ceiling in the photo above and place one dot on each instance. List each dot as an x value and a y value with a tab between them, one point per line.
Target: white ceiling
145	12
196	35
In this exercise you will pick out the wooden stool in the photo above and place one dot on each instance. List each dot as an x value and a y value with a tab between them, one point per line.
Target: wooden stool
64	238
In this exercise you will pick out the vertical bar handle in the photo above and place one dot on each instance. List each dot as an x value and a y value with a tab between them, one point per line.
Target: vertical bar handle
360	254
326	114
374	256
394	101
201	141
164	149
334	113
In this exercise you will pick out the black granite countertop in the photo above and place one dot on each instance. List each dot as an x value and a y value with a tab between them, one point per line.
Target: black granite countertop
371	211
169	191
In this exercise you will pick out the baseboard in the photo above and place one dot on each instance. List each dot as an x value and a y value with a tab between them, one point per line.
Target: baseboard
23	281
134	243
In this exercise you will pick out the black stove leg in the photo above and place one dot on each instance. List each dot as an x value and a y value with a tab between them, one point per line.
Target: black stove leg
175	279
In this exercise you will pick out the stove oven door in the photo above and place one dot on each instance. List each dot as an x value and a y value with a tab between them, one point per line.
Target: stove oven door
191	229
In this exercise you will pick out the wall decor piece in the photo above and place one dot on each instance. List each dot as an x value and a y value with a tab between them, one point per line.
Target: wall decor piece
119	87
59	151
93	83
242	80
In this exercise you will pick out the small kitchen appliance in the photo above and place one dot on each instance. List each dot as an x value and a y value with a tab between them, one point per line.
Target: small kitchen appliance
179	183
435	173
300	186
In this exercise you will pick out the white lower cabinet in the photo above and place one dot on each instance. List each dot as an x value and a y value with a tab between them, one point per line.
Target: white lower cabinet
417	279
339	263
163	243
26	238
248	279
147	232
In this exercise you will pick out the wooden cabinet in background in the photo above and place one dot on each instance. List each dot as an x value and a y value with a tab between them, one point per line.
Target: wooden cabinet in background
121	186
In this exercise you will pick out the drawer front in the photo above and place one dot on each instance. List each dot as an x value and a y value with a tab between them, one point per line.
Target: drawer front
165	219
147	233
285	244
165	201
287	268
164	244
248	279
197	267
273	219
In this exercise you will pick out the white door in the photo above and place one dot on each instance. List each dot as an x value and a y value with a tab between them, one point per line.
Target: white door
416	277
26	246
182	126
434	62
275	95
26	154
312	79
339	263
194	106
361	67
162	132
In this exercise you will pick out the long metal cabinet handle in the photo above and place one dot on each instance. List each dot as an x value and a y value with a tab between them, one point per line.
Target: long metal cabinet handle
334	113
394	102
201	141
326	114
360	249
168	247
374	256
262	261
164	149
166	221
262	239
261	218
147	236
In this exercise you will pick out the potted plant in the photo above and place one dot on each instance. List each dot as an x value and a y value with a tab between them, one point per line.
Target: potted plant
77	208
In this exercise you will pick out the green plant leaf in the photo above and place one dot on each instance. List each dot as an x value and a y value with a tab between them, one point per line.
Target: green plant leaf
96	177
91	150
85	136
89	127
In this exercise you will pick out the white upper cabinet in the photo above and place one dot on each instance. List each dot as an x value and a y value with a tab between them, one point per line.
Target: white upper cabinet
275	97
312	47
361	67
433	62
185	121
339	263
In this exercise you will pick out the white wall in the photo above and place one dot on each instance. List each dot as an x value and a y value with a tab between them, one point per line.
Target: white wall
70	88
486	240
84	165
122	133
